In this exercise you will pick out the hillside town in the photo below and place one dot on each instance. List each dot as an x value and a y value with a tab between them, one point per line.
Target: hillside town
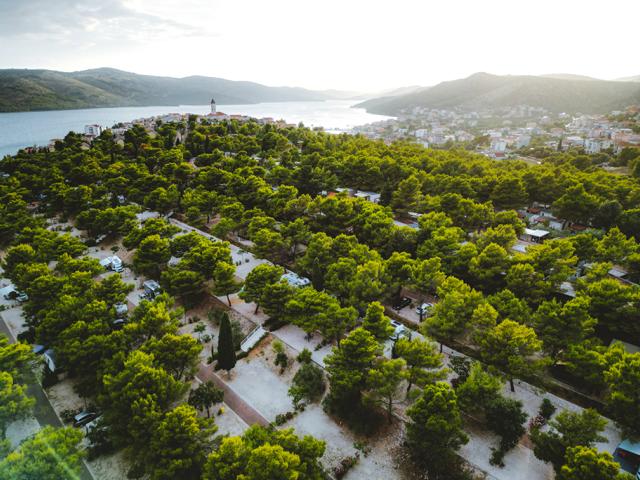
509	132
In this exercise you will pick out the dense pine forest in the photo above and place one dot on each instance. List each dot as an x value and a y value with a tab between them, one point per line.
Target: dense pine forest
444	230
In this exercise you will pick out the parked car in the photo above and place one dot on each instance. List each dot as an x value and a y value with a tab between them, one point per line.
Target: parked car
38	349
424	309
10	293
151	289
83	418
401	303
627	454
93	424
121	309
399	330
118	323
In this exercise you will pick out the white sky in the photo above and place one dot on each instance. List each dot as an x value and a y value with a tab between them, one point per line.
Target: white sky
345	44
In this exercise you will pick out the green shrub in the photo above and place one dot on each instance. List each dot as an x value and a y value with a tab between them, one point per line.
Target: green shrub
304	356
547	409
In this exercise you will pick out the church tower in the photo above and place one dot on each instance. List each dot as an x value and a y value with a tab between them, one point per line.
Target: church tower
213	106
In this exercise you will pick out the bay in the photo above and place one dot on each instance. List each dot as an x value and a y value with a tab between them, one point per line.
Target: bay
23	129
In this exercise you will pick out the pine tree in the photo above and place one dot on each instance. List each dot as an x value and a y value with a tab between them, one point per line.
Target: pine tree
435	431
226	351
377	323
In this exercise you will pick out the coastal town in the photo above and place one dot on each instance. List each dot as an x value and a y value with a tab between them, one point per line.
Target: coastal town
511	132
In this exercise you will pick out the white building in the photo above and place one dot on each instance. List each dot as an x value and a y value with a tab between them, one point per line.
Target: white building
92	130
498	145
572	141
534	235
369	196
523	141
213	106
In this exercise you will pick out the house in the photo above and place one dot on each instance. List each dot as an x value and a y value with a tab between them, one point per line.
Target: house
617	272
217	116
544	217
595	145
523	141
498	145
295	280
573	141
421	133
170	117
621	274
372	197
534	235
92	130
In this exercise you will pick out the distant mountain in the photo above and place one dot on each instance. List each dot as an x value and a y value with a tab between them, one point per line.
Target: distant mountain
22	90
395	92
568	76
340	94
484	91
402	91
635	78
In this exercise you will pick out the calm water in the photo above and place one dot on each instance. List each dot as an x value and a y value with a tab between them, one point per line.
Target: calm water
22	129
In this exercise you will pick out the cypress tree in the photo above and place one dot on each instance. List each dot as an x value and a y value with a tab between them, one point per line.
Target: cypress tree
226	351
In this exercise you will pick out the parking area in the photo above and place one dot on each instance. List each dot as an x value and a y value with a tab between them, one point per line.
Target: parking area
409	312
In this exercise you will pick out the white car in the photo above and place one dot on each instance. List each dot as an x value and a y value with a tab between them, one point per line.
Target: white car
398	330
83	418
424	308
121	309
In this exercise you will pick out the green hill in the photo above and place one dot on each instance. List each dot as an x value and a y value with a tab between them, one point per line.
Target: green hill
483	91
23	90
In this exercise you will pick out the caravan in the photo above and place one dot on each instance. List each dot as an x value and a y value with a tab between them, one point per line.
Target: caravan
112	263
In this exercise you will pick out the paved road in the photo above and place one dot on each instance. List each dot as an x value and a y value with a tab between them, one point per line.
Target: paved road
43	411
235	402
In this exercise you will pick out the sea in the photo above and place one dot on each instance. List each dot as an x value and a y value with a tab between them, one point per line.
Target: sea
24	129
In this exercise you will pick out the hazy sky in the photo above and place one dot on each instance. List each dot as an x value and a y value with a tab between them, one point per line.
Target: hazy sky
346	44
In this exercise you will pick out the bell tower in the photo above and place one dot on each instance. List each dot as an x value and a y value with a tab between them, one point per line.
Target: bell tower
213	106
